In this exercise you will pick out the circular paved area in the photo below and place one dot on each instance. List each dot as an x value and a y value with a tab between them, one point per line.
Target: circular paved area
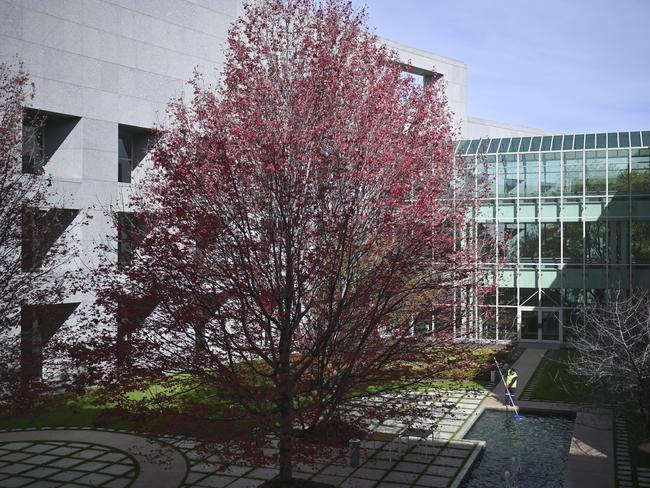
60	463
82	458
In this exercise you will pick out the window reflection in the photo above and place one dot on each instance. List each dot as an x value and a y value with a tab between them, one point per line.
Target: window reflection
640	175
550	241
528	242
507	178
573	242
617	172
595	242
550	174
641	242
595	172
573	173
528	174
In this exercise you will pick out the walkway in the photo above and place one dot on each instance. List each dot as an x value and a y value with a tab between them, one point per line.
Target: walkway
429	452
426	453
84	457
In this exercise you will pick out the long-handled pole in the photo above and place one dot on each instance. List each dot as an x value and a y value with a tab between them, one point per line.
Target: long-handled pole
517	416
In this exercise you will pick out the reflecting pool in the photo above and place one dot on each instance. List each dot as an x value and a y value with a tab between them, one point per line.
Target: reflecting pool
533	451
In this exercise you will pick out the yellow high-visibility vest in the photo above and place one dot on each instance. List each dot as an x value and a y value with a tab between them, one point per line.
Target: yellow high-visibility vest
511	379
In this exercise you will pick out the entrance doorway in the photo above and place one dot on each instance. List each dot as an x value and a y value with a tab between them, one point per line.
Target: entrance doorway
540	324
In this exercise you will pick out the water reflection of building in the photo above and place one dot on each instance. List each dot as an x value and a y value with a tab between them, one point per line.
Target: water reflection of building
569	216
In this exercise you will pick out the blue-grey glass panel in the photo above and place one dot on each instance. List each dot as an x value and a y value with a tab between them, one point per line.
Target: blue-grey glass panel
473	147
505	142
507	235
640	240
594	208
462	147
579	142
507	176
623	139
483	146
573	173
527	208
590	141
550	241
494	144
573	242
618	237
572	208
612	140
550	174
528	175
635	139
640	175
546	143
595	172
528	242
514	144
557	143
568	143
618	208
595	242
646	137
486	173
534	145
601	141
573	297
641	207
525	144
617	172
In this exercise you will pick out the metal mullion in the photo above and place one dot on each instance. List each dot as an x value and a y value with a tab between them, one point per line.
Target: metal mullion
518	262
582	218
629	216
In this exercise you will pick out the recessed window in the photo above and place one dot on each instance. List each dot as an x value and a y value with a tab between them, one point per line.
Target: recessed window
132	146
40	231
42	135
130	233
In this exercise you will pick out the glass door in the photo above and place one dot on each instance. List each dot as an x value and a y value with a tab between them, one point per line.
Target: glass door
540	325
550	329
529	324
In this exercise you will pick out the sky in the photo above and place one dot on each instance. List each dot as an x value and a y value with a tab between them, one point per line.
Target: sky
570	66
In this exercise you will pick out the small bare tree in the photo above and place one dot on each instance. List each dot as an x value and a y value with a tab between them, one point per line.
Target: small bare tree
613	342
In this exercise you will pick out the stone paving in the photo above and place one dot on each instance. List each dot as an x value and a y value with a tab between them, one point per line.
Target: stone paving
626	472
60	463
82	457
426	453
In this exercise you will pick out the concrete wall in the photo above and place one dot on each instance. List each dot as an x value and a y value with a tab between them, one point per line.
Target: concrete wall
454	76
108	62
476	128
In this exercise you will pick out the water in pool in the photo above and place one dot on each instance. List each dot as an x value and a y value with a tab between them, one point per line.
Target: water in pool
539	443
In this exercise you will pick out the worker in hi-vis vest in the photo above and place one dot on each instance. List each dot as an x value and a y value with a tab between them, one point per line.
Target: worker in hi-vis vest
511	381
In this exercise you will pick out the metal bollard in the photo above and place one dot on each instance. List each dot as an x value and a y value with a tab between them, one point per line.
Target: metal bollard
355	452
493	376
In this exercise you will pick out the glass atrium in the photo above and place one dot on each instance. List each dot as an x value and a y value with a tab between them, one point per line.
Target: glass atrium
569	220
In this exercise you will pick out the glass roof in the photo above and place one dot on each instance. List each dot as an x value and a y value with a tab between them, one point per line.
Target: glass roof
567	142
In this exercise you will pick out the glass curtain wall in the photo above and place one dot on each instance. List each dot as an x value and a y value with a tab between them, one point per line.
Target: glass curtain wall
571	220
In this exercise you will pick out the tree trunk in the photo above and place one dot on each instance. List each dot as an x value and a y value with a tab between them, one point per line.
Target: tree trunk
286	426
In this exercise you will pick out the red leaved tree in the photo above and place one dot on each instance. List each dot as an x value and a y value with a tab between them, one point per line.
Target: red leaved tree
31	274
301	218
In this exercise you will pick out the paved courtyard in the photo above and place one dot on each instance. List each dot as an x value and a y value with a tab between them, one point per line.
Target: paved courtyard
60	463
426	454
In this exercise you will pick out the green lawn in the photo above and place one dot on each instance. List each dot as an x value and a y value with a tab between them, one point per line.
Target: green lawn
555	382
197	411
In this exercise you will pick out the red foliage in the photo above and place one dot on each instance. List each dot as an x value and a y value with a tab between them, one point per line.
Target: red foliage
300	216
29	277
